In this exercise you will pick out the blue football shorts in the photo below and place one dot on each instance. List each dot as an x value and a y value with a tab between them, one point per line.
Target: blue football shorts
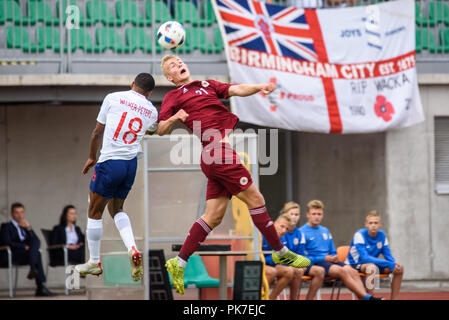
114	178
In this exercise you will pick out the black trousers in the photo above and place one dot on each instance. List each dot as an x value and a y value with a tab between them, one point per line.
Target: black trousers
31	257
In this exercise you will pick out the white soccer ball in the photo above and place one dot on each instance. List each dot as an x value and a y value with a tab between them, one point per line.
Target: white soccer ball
171	35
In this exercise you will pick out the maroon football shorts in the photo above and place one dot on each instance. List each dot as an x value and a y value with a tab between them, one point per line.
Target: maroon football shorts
225	173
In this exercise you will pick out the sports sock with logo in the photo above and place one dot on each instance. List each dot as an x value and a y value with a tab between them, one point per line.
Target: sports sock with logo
265	225
197	234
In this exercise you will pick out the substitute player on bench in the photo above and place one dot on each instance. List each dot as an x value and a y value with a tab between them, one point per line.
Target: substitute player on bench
197	104
123	120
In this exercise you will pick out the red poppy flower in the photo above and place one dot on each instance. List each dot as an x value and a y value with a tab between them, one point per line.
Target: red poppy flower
383	108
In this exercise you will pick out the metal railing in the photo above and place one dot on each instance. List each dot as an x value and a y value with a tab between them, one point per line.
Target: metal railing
85	36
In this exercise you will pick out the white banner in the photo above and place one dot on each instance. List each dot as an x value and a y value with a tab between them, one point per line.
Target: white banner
345	70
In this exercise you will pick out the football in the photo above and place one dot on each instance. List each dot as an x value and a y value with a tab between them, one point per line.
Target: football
171	35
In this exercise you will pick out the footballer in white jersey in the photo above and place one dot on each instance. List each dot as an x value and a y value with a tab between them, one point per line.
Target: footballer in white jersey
123	120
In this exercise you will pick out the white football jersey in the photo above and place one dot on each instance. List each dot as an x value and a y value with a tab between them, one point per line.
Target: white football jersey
127	115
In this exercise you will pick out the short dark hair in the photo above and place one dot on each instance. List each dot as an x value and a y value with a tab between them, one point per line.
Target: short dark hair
144	81
16	205
63	218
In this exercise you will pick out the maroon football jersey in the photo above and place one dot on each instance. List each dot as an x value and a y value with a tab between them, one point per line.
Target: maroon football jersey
200	99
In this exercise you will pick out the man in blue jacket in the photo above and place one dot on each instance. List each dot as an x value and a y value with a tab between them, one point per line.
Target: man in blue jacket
366	246
320	249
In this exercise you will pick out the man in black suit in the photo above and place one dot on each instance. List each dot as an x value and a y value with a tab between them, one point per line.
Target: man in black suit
24	247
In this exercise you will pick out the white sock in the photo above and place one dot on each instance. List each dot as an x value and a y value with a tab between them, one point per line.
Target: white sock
181	262
124	227
281	252
94	231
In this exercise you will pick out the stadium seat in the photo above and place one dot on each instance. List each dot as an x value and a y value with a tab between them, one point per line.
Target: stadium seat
109	38
128	11
18	38
162	13
137	38
218	40
444	41
48	38
438	13
117	271
420	18
83	21
187	12
98	11
208	13
425	40
195	274
40	11
10	11
80	39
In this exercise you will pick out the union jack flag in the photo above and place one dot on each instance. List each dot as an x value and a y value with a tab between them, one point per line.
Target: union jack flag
278	30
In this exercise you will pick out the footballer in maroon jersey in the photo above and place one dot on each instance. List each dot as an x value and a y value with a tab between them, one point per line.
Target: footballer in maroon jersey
197	104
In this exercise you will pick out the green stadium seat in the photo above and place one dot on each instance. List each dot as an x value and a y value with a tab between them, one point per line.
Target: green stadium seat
426	40
10	11
40	11
218	40
117	272
98	11
109	38
208	13
420	18
80	39
187	12
201	41
48	38
128	11
444	41
137	38
195	274
438	13
162	13
65	3
18	38
418	44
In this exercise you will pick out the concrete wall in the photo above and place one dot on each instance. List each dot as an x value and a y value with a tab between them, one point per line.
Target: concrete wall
418	217
347	173
43	148
42	151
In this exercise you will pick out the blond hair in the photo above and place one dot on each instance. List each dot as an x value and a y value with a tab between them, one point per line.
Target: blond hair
284	216
373	213
290	205
315	204
165	59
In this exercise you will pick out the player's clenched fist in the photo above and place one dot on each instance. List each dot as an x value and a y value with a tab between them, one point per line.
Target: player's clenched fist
89	164
181	115
267	88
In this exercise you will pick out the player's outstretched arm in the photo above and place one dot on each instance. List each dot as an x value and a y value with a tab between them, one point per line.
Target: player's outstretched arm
164	126
244	90
95	140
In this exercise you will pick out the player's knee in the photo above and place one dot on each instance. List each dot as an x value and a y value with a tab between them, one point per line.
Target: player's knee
318	272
